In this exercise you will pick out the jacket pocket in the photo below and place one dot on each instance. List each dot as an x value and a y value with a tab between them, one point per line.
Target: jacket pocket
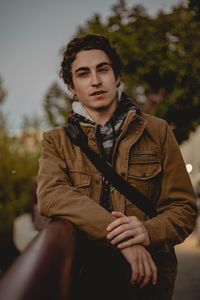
144	171
81	180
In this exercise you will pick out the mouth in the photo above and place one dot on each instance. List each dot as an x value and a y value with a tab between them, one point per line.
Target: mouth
98	93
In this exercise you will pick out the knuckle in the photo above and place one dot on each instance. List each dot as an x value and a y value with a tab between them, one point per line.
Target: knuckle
129	243
135	271
145	282
142	274
130	232
142	235
148	255
119	222
148	275
124	227
115	240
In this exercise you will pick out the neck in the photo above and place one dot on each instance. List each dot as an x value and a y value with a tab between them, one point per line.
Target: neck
101	117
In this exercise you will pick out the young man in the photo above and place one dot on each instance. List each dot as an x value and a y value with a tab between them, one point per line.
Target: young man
123	253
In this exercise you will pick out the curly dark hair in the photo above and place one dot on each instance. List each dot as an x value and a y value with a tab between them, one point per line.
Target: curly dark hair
88	42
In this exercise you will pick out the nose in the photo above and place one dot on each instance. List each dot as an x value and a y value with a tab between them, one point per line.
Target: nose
95	80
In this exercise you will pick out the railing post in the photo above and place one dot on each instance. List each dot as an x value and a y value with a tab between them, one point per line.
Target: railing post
44	270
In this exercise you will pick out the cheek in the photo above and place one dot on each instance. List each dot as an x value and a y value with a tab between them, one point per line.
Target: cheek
113	81
113	84
80	87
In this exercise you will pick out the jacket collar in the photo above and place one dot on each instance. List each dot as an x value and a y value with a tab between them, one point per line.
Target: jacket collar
79	109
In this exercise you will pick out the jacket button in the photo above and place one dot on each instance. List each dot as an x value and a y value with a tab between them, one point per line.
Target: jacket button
97	182
141	122
137	132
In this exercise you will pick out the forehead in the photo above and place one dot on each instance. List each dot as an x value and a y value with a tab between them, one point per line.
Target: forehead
89	59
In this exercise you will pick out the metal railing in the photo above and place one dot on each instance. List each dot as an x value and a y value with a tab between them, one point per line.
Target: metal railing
44	270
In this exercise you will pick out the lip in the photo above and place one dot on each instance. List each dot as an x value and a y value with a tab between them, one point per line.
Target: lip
98	93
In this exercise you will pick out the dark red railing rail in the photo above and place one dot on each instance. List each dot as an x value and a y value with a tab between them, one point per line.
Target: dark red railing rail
44	270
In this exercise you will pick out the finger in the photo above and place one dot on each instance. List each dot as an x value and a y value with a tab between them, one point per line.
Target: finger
134	267
131	241
118	230
154	271
118	214
138	238
148	273
121	237
117	222
141	271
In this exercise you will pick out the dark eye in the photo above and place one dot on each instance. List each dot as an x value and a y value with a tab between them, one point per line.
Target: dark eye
103	70
83	74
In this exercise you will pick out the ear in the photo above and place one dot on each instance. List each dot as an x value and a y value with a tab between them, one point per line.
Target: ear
71	88
118	81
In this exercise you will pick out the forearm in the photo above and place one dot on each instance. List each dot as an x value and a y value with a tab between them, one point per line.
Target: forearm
65	202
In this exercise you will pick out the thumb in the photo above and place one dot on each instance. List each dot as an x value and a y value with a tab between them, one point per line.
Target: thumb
118	214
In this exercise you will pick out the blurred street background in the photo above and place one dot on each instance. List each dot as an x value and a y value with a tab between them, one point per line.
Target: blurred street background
187	283
158	41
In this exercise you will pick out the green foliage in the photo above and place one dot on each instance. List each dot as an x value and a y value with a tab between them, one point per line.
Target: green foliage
194	5
161	57
3	92
57	105
159	53
19	164
17	169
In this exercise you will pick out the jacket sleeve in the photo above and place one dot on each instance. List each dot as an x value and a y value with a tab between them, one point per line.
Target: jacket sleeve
58	198
176	205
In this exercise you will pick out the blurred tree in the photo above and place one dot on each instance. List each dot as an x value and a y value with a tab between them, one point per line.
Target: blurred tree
57	105
17	169
195	6
3	94
19	154
161	57
33	122
19	165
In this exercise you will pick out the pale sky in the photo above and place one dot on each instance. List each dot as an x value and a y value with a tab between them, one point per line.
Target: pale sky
31	35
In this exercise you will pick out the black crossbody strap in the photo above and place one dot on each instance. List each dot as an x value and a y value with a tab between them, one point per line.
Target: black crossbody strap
79	138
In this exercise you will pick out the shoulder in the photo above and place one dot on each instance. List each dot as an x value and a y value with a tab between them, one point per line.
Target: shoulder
55	135
155	124
152	120
54	132
156	128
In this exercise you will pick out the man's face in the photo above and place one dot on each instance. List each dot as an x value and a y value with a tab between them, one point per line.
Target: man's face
94	82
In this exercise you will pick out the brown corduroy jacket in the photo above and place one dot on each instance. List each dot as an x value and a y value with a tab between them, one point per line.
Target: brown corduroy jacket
146	154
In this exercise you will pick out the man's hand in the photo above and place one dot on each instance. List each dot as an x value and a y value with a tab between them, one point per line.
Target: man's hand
142	265
127	231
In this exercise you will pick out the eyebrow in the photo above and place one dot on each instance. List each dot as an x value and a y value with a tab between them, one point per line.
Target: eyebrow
98	66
